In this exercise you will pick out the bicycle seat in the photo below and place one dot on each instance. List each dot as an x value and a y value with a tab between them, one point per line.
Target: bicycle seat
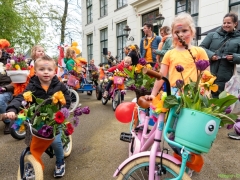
142	102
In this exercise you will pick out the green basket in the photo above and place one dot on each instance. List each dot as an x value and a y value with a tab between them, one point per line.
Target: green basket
196	130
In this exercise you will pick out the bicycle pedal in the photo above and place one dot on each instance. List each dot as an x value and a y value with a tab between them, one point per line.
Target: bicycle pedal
126	137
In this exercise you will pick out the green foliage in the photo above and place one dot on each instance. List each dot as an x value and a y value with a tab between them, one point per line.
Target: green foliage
21	23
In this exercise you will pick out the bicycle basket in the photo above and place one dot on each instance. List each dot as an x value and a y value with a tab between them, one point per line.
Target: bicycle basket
118	80
72	81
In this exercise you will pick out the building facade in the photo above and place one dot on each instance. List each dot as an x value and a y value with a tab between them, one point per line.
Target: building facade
103	21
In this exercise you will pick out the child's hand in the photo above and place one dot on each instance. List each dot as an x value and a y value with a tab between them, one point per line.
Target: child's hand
11	115
149	97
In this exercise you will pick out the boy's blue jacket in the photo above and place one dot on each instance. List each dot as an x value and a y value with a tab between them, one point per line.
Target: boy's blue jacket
35	87
154	45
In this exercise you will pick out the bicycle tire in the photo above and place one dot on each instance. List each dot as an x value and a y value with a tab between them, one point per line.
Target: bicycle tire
16	134
143	162
116	99
31	162
68	149
98	92
74	100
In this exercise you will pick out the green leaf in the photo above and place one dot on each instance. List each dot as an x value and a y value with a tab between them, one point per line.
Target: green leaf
39	101
170	101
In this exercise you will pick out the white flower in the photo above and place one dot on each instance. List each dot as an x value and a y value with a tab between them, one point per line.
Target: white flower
12	61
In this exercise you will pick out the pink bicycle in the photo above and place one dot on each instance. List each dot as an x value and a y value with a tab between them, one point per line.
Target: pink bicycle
154	164
116	93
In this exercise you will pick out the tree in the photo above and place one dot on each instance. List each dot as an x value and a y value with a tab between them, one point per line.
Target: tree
21	22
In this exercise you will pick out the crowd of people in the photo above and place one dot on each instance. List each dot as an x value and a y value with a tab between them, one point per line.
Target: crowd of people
164	52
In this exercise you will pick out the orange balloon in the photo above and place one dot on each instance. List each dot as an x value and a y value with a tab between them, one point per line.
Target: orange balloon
74	43
124	112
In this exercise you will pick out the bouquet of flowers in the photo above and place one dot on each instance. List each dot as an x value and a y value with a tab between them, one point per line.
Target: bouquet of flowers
47	120
17	62
196	95
140	83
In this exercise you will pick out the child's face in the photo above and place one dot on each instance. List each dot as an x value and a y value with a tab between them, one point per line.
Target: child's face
184	31
127	63
74	55
39	52
45	70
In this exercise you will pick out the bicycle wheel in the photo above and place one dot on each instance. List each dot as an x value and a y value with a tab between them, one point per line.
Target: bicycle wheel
32	169
138	170
98	92
68	148
116	99
17	134
74	100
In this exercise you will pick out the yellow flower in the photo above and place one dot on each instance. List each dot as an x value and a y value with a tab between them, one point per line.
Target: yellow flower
214	87
206	76
17	67
149	66
158	104
27	96
59	97
138	68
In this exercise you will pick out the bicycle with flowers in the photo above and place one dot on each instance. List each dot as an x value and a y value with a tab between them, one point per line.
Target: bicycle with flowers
42	121
116	92
192	108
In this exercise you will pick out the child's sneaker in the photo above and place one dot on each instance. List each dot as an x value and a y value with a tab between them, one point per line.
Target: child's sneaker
59	169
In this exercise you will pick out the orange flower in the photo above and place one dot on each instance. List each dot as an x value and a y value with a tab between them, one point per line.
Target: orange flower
59	97
27	96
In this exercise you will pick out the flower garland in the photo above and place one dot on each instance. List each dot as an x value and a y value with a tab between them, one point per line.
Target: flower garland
149	42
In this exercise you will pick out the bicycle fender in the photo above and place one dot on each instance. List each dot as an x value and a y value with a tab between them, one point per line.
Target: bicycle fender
143	154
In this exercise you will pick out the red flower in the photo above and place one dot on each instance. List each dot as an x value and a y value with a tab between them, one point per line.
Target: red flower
70	128
59	117
24	68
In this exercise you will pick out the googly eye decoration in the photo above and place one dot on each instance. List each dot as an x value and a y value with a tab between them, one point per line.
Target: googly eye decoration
210	127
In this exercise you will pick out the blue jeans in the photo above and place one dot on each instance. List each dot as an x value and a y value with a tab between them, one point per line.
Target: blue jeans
4	99
58	148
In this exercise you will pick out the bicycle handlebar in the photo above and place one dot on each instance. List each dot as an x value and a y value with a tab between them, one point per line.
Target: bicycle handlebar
158	76
152	73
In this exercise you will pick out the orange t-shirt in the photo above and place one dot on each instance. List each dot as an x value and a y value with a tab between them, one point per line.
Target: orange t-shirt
101	73
148	55
45	87
175	57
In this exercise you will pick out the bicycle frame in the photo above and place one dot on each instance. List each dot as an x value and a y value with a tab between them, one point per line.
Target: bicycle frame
144	142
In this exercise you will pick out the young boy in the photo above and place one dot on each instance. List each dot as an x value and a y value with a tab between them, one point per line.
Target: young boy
43	85
127	61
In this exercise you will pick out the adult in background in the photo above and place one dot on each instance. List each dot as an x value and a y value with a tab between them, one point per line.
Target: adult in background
6	91
110	59
149	43
165	44
223	50
133	54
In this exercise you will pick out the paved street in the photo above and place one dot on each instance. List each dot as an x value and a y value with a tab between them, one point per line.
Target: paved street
97	150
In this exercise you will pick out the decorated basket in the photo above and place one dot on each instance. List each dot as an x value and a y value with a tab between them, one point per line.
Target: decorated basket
18	76
118	80
196	130
72	81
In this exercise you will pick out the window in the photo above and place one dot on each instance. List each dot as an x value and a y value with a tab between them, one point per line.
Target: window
190	6
234	5
121	40
121	3
150	18
90	46
103	7
89	11
103	42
